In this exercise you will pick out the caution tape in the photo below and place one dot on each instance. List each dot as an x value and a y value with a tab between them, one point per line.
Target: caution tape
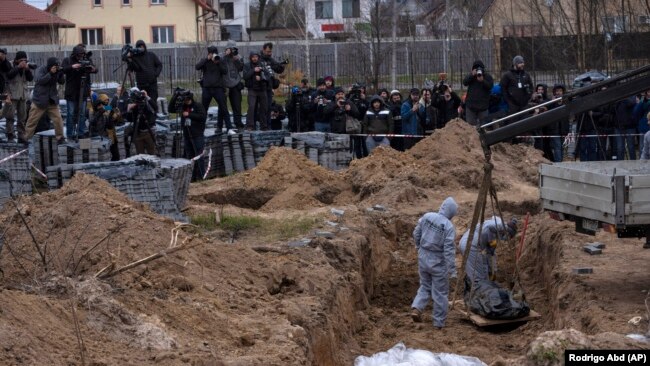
209	164
39	172
576	135
12	156
384	135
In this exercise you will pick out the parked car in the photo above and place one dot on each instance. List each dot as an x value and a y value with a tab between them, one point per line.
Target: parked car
588	78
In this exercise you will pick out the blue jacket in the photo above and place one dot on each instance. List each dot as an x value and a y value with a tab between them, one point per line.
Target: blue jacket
640	114
410	120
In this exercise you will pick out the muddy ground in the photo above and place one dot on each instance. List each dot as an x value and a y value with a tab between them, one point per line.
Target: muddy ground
247	292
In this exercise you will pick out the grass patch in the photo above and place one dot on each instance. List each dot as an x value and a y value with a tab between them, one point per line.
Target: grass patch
207	221
238	223
288	228
269	229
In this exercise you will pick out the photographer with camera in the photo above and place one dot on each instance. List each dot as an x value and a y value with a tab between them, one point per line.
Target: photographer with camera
319	99
273	68
412	112
192	119
479	85
299	108
233	81
377	121
141	111
105	117
338	110
77	69
517	87
257	80
45	99
19	75
447	102
147	68
212	85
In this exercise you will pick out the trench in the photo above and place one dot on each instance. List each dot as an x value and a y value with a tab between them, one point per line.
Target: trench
375	317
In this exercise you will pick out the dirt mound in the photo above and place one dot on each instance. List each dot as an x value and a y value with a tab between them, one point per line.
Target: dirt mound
79	229
450	159
285	178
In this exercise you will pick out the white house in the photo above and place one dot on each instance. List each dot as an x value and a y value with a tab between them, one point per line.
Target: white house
326	18
235	18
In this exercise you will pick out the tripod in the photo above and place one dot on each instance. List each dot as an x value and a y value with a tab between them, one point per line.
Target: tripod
82	99
136	128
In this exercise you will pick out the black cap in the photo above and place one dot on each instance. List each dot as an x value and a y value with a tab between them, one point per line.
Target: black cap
415	91
212	49
3	50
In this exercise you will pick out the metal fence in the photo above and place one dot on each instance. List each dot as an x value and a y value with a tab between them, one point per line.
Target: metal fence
416	61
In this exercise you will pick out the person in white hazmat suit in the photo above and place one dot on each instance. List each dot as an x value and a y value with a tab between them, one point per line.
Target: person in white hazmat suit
482	258
434	238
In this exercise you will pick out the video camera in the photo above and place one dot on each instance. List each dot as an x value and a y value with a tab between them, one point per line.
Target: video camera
32	65
180	95
137	96
133	51
355	92
479	71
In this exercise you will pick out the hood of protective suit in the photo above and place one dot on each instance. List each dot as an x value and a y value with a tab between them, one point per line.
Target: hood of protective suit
448	208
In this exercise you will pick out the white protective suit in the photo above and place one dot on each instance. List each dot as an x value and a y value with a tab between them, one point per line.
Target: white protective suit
434	238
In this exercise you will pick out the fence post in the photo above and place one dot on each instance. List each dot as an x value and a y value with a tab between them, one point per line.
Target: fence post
101	58
171	84
336	59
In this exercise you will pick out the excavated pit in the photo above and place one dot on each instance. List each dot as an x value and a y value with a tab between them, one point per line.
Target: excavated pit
260	301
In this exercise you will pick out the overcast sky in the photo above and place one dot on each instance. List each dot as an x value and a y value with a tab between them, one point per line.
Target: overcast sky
41	4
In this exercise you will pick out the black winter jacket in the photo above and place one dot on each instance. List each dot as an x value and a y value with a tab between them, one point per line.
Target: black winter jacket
147	67
197	115
478	92
213	73
517	87
5	67
251	80
337	116
73	79
45	88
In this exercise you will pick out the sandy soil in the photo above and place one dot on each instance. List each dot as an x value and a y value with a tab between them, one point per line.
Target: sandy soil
260	301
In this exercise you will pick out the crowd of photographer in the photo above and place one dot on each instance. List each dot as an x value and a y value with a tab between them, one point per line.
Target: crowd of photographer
386	118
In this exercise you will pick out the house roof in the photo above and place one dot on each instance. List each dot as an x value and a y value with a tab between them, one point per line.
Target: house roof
16	13
202	3
477	12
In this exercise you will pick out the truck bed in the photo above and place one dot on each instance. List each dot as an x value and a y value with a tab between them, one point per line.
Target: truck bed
612	192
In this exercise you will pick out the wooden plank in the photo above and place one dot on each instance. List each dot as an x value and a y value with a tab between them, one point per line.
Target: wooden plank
485	322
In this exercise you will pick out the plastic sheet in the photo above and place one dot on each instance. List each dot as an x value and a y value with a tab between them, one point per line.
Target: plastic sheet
399	355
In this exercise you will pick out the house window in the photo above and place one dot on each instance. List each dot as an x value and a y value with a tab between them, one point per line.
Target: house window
227	10
351	8
97	2
616	24
92	37
127	35
644	19
324	10
162	34
157	2
126	2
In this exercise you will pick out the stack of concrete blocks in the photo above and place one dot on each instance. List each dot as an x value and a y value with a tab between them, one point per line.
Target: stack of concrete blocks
237	152
326	149
121	140
263	140
213	143
46	150
85	151
5	186
161	183
18	168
